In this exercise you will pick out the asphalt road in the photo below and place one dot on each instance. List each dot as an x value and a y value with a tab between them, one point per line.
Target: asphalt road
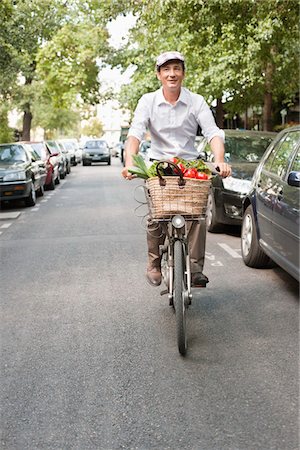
88	349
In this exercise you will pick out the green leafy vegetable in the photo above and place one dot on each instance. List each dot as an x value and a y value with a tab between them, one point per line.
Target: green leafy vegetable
142	171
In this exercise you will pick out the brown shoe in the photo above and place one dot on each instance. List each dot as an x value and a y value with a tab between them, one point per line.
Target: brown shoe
199	279
153	276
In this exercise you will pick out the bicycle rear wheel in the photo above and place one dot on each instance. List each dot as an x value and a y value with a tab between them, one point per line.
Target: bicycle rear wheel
179	304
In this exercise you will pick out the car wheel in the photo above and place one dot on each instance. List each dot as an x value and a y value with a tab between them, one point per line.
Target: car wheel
31	199
57	180
211	223
51	185
62	175
252	254
41	191
109	162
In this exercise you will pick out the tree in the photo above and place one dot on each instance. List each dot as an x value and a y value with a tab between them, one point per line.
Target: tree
93	128
53	43
241	51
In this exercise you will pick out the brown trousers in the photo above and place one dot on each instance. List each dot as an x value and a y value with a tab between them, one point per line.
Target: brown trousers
196	239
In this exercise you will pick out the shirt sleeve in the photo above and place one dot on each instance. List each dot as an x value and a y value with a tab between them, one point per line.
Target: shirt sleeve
140	120
207	123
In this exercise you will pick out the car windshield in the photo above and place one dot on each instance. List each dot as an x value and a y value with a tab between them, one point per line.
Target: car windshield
12	153
68	145
95	144
53	146
246	148
39	148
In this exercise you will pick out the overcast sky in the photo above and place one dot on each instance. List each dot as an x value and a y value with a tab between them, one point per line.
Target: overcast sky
118	30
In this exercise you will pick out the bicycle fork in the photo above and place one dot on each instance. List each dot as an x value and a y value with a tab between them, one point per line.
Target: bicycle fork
176	231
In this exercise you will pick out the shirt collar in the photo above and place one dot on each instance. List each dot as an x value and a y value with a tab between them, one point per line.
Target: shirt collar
161	99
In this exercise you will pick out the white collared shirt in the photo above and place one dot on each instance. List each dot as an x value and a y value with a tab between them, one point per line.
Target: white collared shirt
173	128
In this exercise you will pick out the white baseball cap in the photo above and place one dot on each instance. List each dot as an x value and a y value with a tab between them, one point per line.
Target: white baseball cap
168	56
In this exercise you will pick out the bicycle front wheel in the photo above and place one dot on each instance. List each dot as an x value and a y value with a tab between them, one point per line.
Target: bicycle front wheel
179	304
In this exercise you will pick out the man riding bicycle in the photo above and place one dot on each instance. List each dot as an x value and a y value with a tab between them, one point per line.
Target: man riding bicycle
172	114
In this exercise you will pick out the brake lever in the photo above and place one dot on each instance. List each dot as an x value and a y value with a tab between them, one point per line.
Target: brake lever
214	170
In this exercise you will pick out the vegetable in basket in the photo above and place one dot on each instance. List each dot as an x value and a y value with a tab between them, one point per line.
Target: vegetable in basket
190	169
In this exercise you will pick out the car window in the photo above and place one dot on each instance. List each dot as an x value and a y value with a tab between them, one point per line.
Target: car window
296	163
39	149
12	153
95	144
68	145
280	157
246	148
53	146
240	149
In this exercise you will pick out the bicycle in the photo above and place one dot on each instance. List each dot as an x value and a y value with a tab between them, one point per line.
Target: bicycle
174	210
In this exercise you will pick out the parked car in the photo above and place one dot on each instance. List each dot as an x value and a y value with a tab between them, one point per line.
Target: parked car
144	148
70	147
78	151
94	151
51	162
22	173
115	149
270	227
65	151
243	151
62	160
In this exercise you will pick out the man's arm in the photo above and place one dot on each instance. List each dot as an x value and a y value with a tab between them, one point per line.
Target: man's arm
217	147
131	148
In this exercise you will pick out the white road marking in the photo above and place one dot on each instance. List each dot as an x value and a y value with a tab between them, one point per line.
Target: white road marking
44	201
230	250
9	215
217	263
5	225
35	209
212	257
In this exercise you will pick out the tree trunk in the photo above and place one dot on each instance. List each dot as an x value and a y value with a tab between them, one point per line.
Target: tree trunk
267	112
220	113
27	118
267	108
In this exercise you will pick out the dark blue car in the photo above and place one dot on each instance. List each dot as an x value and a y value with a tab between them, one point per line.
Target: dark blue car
270	226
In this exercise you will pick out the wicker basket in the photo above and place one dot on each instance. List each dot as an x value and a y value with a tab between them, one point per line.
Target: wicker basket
177	195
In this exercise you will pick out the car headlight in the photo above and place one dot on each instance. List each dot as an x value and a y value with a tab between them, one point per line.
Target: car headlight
15	176
236	185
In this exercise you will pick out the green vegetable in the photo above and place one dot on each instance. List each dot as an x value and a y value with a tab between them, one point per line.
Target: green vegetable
140	169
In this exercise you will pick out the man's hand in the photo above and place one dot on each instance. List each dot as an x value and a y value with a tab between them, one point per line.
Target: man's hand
127	175
224	169
131	148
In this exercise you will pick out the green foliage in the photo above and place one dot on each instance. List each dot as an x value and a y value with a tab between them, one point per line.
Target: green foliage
93	128
236	49
50	49
67	64
6	133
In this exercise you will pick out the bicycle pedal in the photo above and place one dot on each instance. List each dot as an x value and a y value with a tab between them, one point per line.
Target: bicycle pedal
164	292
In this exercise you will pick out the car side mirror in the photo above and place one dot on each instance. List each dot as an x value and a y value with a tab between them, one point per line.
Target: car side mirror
294	178
54	154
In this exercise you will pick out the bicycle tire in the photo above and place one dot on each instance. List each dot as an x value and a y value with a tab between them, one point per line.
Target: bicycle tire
179	304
